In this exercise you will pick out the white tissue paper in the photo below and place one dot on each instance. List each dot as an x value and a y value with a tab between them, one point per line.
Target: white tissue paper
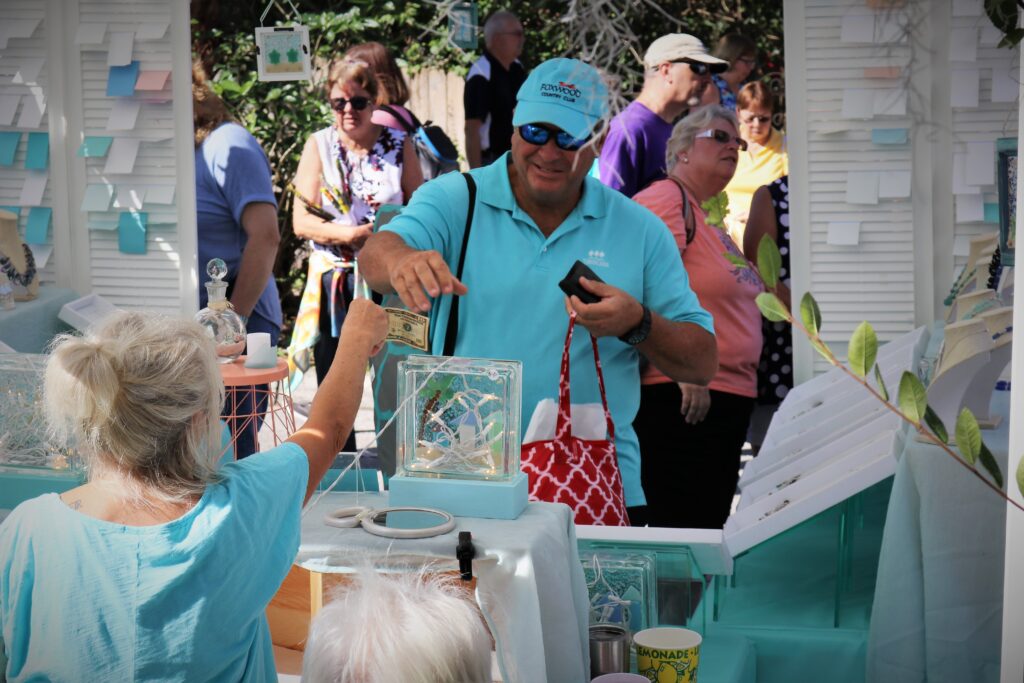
588	421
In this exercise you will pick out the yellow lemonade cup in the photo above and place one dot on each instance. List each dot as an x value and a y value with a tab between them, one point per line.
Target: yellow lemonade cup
668	655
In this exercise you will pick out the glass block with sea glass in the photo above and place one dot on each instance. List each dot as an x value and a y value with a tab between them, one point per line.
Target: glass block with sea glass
463	421
31	461
24	438
622	586
679	582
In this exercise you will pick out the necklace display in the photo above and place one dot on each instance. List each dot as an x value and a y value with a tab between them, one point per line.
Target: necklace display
24	278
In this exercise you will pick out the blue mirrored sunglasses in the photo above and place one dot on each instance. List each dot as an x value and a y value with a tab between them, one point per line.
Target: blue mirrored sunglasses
536	134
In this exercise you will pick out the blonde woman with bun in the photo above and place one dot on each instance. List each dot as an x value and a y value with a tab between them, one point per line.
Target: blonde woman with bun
160	566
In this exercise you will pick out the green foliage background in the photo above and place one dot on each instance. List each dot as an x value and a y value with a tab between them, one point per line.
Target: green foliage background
282	115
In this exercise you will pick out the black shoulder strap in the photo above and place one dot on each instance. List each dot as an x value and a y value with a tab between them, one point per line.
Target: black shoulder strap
452	333
688	220
410	129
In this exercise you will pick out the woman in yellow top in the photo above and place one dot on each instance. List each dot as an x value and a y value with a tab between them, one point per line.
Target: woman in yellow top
765	158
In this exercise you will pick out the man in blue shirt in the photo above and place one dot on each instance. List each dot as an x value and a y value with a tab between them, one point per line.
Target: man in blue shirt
236	216
536	213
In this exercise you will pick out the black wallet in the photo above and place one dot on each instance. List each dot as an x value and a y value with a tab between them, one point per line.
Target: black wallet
570	284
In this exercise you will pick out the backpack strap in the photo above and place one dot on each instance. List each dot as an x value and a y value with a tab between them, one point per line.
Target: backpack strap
452	333
688	219
410	128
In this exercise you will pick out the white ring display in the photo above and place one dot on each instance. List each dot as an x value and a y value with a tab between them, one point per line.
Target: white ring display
351	517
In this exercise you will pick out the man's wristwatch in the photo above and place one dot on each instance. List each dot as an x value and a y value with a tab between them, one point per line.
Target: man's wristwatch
640	332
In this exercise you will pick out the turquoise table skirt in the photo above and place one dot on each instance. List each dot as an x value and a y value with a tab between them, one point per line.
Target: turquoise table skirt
32	324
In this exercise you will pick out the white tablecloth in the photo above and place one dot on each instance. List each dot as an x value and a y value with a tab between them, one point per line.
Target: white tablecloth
938	605
530	581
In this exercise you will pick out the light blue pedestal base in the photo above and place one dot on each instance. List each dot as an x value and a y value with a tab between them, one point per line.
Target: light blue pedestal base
461	497
18	484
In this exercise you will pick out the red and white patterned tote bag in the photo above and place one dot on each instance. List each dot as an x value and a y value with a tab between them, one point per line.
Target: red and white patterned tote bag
581	473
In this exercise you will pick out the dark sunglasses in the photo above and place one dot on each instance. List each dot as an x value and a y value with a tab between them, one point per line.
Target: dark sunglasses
747	120
536	134
722	137
358	103
699	68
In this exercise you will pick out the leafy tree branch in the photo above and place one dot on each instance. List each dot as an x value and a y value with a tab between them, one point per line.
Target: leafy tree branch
911	397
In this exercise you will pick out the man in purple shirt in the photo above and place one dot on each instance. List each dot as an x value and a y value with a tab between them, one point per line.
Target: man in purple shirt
677	70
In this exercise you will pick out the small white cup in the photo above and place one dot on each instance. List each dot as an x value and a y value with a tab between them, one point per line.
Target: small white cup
258	351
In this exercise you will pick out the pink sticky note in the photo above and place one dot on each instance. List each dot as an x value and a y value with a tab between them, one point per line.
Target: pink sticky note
152	80
882	72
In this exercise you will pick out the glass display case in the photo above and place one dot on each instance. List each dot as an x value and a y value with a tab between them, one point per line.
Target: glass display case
31	462
463	421
622	587
671	590
818	574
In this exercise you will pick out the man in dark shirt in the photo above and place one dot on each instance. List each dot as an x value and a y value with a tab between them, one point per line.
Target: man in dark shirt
491	88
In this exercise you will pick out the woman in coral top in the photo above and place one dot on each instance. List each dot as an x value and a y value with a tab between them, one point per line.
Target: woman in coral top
765	158
691	436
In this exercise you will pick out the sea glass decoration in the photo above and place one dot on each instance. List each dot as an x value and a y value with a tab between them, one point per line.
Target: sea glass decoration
219	318
24	439
463	419
622	586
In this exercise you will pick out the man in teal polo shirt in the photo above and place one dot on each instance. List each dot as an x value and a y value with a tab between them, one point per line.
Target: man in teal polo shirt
536	213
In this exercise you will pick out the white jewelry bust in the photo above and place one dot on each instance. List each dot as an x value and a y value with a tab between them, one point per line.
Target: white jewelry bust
981	247
977	398
963	340
970	305
19	263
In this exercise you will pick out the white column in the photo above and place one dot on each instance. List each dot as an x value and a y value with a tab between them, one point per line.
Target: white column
799	194
184	149
1013	585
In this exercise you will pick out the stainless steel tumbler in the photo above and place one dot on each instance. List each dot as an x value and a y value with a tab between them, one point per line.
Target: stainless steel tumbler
609	649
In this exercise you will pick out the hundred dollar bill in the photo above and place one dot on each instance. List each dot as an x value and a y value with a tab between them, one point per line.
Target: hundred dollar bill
407	328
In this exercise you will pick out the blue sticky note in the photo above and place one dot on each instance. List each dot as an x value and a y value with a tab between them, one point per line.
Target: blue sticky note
121	81
38	227
991	213
8	147
889	136
95	146
37	156
131	232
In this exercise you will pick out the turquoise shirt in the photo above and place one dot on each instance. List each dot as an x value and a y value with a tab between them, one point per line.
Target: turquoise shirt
86	600
514	309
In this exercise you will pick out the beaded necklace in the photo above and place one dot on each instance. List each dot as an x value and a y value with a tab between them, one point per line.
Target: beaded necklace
23	279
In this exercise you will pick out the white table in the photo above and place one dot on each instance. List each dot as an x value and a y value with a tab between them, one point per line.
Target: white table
529	579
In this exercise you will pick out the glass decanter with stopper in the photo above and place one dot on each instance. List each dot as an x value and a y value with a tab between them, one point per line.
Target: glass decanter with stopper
219	318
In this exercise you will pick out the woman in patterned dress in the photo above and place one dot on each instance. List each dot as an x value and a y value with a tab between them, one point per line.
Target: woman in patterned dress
691	436
769	215
741	53
347	171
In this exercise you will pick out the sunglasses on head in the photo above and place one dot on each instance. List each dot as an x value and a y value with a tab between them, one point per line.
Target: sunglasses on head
536	134
699	68
722	137
358	103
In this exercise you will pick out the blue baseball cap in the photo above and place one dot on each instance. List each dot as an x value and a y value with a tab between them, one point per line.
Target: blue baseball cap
563	92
